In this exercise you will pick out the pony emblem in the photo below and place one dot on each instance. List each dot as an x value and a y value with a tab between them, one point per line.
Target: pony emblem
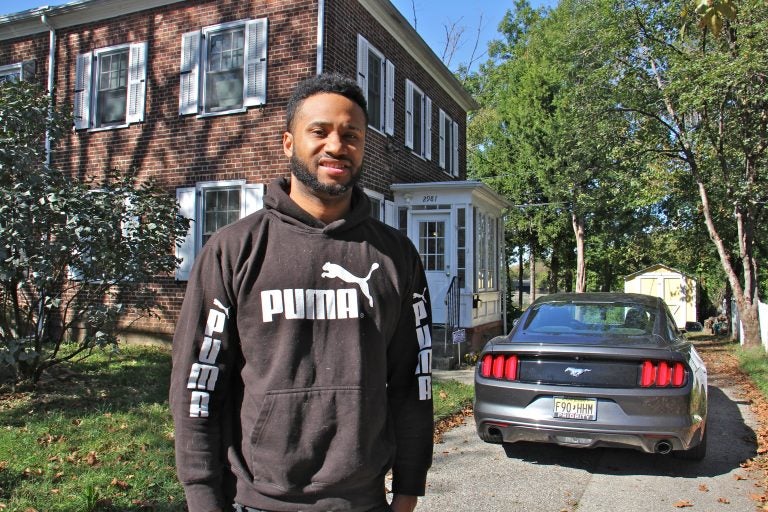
332	270
576	372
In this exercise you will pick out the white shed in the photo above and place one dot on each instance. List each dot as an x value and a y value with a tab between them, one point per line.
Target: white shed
676	288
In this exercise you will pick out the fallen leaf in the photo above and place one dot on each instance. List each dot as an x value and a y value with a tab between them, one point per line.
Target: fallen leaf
703	488
723	500
443	394
91	459
120	484
738	477
683	504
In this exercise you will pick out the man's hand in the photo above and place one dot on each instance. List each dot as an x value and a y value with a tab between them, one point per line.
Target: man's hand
403	503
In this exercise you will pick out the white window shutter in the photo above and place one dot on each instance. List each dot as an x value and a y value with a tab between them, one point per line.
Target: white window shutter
362	64
389	121
255	86
427	128
190	73
137	82
82	107
441	129
390	213
455	147
254	198
409	114
186	197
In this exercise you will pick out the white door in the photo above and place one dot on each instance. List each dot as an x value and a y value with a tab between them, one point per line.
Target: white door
433	243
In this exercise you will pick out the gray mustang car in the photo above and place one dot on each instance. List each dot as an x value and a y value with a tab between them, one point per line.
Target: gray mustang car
594	369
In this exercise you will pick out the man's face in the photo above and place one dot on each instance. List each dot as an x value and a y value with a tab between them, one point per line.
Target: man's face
326	143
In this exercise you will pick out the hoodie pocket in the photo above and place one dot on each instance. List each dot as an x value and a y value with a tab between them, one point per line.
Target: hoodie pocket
321	438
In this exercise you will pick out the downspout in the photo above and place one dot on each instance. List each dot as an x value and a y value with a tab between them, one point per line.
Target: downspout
51	76
320	34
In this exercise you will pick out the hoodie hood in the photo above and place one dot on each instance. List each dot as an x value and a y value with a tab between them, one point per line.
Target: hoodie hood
278	202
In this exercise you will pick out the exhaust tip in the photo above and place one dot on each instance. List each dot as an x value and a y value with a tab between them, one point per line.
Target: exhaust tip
663	447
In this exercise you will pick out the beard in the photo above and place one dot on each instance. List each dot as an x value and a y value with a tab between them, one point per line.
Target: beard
301	171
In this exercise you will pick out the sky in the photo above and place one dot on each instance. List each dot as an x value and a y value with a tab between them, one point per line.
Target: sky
430	18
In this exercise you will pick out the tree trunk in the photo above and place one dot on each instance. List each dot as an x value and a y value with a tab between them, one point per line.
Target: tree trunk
747	298
581	266
554	271
533	275
521	249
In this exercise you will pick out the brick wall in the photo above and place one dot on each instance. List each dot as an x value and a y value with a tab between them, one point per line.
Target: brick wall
179	151
390	161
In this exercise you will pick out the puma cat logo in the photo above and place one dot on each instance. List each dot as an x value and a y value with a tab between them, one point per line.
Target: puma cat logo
332	270
218	304
420	296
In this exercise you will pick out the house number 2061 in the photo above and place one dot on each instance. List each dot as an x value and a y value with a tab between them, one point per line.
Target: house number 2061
430	199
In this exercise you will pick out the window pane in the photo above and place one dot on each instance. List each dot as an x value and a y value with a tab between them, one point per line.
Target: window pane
374	90
112	83
220	207
224	71
418	129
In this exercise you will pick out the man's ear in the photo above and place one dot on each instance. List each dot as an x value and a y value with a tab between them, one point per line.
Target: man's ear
288	144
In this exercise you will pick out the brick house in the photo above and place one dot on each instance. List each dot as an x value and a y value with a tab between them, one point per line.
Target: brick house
192	94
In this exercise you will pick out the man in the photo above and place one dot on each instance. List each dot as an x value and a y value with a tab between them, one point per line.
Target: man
301	358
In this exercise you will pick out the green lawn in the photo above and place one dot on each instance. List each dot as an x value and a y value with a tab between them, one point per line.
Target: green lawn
101	439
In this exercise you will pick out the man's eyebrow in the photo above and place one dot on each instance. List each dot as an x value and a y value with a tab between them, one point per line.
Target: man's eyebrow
319	123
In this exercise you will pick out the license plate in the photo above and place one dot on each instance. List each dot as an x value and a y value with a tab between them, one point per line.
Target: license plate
575	408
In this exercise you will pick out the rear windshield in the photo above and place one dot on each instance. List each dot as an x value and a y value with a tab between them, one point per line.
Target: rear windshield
604	318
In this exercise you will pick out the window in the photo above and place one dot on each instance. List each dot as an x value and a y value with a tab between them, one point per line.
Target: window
211	206
449	144
224	68
19	71
418	121
461	246
486	252
381	209
376	77
110	86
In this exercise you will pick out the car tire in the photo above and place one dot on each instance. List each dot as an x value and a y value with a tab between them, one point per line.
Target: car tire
698	452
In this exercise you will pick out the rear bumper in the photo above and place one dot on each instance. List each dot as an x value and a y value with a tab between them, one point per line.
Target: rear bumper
494	431
638	419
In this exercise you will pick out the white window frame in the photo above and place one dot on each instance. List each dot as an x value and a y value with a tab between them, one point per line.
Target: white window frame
190	201
449	163
25	70
387	86
194	55
425	130
86	90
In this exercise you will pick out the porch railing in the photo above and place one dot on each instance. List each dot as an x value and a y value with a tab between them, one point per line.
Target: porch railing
452	315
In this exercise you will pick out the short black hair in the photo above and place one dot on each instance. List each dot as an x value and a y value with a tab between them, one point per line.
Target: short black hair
333	83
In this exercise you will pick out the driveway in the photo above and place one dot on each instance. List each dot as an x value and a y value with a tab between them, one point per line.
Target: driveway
470	475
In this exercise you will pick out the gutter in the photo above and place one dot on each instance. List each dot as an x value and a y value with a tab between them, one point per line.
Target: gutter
51	81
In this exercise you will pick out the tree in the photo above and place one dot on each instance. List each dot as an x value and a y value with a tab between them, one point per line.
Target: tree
74	254
701	105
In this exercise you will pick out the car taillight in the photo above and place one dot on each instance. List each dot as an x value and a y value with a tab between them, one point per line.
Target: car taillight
662	374
499	366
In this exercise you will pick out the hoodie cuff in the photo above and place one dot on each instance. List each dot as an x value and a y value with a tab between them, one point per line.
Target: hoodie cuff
202	498
410	481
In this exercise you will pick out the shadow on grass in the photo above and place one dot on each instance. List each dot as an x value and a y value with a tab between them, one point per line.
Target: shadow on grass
119	383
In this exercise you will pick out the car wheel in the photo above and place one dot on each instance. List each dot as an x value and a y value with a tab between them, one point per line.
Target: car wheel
697	452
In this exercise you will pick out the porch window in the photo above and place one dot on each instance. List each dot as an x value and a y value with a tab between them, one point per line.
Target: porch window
486	248
211	206
418	121
449	144
110	86
224	68
376	77
461	246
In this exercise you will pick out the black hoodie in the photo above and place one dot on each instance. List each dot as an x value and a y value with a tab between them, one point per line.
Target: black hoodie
301	363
